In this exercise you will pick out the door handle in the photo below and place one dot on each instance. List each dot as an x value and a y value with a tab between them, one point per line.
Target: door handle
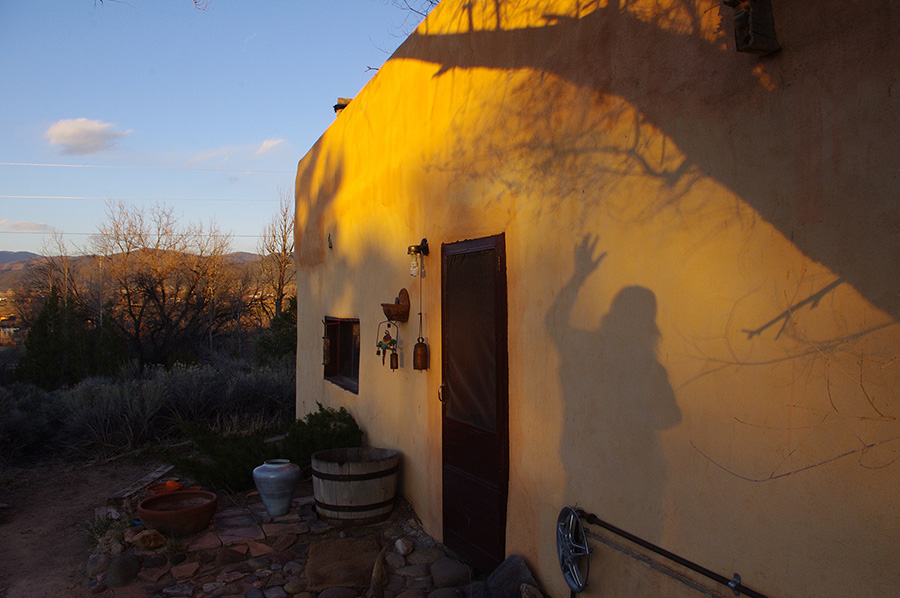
441	393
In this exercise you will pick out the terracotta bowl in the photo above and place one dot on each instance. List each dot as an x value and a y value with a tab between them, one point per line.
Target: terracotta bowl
178	513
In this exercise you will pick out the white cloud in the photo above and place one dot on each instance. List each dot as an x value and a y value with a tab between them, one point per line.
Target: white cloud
82	136
228	153
22	226
269	144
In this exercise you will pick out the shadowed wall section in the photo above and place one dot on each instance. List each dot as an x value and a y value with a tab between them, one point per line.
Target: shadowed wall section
703	256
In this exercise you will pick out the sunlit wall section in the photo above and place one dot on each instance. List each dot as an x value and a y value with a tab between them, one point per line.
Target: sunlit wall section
703	255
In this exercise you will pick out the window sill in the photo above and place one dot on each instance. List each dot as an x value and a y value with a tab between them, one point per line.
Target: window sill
348	384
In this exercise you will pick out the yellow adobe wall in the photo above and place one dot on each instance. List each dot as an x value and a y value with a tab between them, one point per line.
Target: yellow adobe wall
724	382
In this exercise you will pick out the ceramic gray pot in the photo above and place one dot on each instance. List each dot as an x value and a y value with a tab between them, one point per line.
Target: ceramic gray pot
276	480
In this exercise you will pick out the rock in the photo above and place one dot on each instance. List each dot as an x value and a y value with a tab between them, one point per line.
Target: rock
153	574
122	571
99	589
404	546
228	589
129	534
254	593
445	593
228	556
420	583
97	563
295	586
426	555
181	589
258	563
283	557
450	573
212	586
338	593
230	576
394	561
275	592
116	548
157	588
149	539
412	594
177	558
157	560
110	513
476	590
507	579
396	584
185	571
292	568
529	591
420	570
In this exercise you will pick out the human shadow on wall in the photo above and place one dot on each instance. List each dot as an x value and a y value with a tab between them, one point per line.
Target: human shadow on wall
740	122
617	398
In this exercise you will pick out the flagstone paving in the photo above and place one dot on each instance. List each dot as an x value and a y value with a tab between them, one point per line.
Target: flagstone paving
248	554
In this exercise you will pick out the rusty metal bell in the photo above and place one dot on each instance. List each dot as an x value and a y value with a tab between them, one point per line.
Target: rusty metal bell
395	360
420	355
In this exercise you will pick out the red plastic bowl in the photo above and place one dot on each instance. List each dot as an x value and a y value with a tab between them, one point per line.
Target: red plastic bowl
178	513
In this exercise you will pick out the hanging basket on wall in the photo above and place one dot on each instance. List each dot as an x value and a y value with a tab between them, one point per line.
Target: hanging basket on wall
398	311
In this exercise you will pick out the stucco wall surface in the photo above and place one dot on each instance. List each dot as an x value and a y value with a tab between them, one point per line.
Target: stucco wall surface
703	257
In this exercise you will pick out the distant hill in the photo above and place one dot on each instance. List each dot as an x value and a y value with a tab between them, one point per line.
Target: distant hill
8	257
14	265
242	257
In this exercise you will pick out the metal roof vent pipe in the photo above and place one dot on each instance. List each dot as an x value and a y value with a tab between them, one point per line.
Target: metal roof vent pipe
341	104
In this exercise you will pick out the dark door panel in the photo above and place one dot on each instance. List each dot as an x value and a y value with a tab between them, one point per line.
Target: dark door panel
475	399
478	532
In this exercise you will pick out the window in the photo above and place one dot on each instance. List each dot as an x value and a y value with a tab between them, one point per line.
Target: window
341	352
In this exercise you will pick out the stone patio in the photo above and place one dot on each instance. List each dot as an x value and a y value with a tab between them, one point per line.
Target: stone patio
248	554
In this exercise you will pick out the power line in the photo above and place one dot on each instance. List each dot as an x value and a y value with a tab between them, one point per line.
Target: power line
84	197
64	234
244	170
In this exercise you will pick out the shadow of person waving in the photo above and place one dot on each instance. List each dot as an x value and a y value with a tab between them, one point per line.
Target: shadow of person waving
617	398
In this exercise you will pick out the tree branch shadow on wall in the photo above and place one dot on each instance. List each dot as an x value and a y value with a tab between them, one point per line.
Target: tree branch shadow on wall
617	398
776	153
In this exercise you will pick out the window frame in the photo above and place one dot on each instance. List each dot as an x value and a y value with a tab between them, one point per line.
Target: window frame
340	352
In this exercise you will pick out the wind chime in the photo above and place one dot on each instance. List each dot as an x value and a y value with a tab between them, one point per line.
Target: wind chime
420	351
388	344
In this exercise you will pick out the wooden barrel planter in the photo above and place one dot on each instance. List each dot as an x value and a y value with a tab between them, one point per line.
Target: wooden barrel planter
355	485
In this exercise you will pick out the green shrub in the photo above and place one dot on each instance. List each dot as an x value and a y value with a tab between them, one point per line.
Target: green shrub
324	429
278	344
264	390
63	346
111	415
223	461
136	408
30	420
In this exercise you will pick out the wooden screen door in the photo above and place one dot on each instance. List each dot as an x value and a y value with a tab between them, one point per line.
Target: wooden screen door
474	395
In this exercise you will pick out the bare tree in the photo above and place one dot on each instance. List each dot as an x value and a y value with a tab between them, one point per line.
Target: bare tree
163	284
276	267
418	7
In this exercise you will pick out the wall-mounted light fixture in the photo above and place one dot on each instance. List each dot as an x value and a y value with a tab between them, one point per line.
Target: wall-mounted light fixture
420	351
754	26
415	251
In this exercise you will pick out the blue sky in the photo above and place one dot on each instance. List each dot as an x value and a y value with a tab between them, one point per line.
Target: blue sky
152	101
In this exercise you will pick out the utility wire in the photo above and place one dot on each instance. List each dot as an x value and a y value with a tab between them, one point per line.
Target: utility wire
245	170
83	197
64	234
